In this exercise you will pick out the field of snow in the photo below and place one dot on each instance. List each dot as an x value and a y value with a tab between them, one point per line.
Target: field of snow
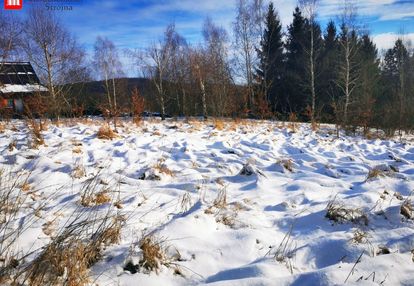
246	203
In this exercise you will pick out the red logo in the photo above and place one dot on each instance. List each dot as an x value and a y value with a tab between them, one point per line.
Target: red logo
13	4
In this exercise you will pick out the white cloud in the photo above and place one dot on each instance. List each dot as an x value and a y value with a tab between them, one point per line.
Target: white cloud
387	40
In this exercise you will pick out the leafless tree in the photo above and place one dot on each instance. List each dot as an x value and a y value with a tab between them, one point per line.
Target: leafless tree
108	66
247	32
52	50
348	68
178	68
10	30
217	64
155	63
309	8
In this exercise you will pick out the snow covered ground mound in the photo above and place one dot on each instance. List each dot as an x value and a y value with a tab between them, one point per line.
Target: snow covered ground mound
244	204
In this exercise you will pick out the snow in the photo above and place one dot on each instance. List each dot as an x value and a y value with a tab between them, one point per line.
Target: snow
22	88
273	229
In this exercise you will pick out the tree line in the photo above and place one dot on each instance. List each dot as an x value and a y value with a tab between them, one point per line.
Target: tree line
305	72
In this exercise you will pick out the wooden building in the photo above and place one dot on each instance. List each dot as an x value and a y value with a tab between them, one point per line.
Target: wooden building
18	81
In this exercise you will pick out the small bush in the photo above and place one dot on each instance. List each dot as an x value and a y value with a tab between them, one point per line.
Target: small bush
218	124
106	133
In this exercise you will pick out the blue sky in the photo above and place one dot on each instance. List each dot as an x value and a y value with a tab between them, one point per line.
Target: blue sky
136	23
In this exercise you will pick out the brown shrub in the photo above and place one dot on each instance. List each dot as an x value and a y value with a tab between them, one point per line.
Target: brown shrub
153	254
106	133
138	106
218	124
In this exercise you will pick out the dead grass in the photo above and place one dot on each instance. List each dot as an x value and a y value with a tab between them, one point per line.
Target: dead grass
26	187
106	133
286	250
161	167
101	198
2	128
12	145
78	172
77	150
220	201
381	171
287	164
360	236
36	129
153	254
292	125
228	219
338	213
67	259
375	173
218	124
185	202
407	209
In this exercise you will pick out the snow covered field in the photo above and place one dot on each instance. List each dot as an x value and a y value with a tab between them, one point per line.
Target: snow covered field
240	204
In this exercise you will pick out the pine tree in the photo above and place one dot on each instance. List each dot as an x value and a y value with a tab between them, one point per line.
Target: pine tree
295	72
396	80
367	92
328	75
270	70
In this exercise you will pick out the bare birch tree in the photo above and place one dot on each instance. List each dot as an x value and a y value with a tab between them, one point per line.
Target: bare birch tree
248	28
309	8
348	76
108	66
51	48
155	62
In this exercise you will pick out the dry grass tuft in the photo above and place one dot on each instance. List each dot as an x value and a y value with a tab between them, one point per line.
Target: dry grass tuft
101	198
77	150
375	173
106	133
153	254
338	213
12	145
161	167
2	128
67	259
286	250
228	219
407	209
382	171
220	201
315	126
185	202
360	237
218	124
36	129
287	164
78	172
26	187
293	119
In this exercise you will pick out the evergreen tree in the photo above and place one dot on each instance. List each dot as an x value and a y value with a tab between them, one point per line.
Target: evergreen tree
368	87
295	59
329	73
396	81
270	70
